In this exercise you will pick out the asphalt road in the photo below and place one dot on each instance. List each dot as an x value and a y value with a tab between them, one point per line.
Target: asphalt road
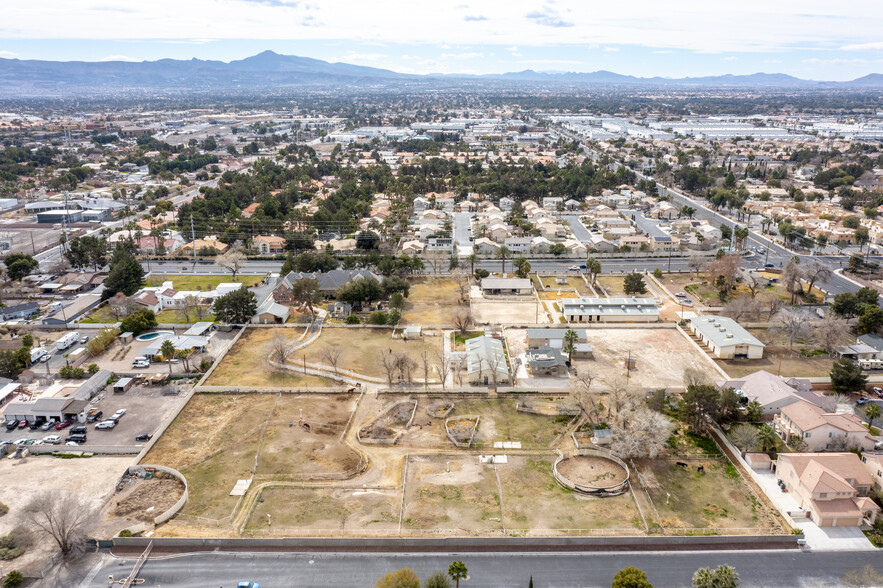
503	570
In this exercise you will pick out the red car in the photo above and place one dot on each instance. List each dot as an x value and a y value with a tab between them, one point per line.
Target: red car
63	425
23	424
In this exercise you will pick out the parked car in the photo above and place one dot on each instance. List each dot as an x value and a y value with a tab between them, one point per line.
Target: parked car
878	391
78	429
19	442
48	424
862	401
248	585
22	424
35	424
95	416
108	424
768	265
686	303
11	425
63	425
140	362
144	437
45	358
52	439
118	414
33	442
77	438
573	268
84	339
681	294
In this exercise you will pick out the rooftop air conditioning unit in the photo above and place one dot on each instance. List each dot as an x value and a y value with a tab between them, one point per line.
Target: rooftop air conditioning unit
729	335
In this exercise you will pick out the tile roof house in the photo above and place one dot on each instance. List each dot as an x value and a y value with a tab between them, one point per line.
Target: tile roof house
820	430
832	488
269	244
329	282
775	392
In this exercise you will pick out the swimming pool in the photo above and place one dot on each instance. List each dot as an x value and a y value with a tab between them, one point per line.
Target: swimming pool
152	336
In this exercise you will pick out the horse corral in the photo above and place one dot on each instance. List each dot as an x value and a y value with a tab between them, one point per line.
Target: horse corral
592	472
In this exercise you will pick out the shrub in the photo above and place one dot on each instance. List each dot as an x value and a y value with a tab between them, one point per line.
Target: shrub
378	318
353	319
125	533
139	321
92	369
13	579
72	373
3	509
101	341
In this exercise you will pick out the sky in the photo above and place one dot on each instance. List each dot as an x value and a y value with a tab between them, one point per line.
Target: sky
812	39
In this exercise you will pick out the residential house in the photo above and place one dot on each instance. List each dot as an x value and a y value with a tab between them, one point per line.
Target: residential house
506	287
19	311
269	244
874	465
249	210
271	312
340	310
485	246
545	361
147	299
518	244
329	282
498	232
202	244
506	203
820	430
575	248
540	245
832	488
775	392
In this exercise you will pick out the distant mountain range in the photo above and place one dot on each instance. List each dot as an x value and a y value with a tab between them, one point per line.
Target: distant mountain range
269	69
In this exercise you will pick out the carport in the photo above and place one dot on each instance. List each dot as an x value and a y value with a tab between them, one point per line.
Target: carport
123	385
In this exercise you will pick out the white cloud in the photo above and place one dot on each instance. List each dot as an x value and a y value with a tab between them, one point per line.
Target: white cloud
118	58
514	51
611	49
549	61
688	25
8	54
361	57
663	51
471	55
730	58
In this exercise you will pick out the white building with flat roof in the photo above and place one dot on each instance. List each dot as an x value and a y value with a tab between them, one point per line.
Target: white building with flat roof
726	338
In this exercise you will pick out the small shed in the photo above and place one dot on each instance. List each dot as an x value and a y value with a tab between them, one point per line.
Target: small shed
410	333
126	337
602	437
759	461
123	385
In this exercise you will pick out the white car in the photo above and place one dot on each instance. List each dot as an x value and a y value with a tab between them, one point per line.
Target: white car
119	413
48	424
45	358
52	439
141	364
19	442
681	294
105	425
573	268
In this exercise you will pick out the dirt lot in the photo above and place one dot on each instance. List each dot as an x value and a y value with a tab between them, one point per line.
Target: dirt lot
144	500
719	498
496	312
194	282
592	471
527	482
499	422
245	364
341	511
432	301
778	359
662	356
362	347
613	285
573	284
93	479
215	439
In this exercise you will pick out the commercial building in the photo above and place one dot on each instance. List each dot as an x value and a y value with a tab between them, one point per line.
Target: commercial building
610	310
726	338
486	361
506	287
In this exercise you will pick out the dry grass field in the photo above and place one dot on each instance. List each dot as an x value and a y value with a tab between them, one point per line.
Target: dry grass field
433	301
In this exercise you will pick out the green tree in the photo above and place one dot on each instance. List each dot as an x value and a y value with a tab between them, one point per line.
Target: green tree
862	236
397	301
87	250
594	267
847	376
570	339
19	265
631	577
503	253
767	438
522	267
557	249
481	273
367	240
870	320
168	352
11	364
634	284
473	257
753	411
698	403
437	580
358	292
236	307
851	222
872	411
126	274
306	293
139	321
723	576
27	340
404	578
457	571
288	266
13	579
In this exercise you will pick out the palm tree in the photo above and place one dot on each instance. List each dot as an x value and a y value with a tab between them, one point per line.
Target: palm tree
873	413
167	349
570	339
457	571
502	253
473	257
767	437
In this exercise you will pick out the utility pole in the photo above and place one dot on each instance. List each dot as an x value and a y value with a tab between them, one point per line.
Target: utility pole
193	237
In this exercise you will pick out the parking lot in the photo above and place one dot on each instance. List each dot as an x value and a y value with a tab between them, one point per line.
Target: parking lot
146	407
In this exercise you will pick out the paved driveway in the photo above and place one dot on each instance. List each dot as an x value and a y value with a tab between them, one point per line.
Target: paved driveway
817	538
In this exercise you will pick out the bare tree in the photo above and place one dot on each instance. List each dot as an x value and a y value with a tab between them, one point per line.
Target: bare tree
462	279
640	433
201	310
791	278
727	266
582	395
119	305
772	303
754	283
463	320
62	517
443	366
184	311
623	397
281	348
696	262
233	261
815	272
694	377
744	436
739	307
830	332
331	354
388	361
403	363
794	323
424	360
